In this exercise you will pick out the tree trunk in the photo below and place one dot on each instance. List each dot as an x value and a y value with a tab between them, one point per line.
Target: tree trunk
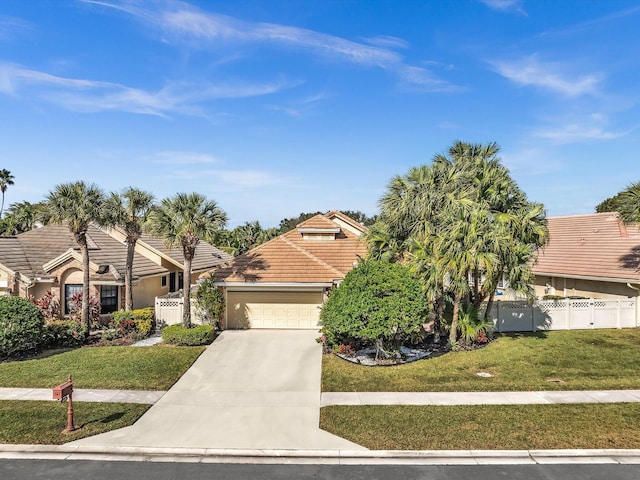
84	249
489	307
128	274
186	316
453	334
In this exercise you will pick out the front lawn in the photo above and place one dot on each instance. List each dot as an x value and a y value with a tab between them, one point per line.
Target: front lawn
130	368
34	422
474	427
559	360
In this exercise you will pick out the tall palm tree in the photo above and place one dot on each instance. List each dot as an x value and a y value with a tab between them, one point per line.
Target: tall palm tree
77	205
629	204
183	220
6	179
464	223
129	210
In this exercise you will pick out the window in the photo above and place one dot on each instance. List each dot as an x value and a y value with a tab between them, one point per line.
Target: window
70	289
163	281
176	282
108	298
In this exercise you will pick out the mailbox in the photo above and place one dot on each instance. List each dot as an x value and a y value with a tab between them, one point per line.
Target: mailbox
63	390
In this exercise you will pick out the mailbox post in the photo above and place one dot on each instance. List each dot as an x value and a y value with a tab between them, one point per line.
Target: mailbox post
62	392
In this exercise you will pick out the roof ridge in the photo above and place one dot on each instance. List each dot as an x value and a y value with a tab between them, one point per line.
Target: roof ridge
311	256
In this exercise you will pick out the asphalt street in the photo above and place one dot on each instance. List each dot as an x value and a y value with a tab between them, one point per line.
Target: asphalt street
97	470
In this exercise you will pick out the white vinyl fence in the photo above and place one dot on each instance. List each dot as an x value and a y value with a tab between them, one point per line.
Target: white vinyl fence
565	314
169	308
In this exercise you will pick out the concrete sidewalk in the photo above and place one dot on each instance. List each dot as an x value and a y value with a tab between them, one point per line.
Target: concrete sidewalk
479	398
148	397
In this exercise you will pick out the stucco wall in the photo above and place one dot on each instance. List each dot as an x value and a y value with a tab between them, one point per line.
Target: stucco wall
146	291
584	288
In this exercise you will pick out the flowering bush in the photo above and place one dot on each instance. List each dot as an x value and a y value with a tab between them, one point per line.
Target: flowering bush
49	305
76	308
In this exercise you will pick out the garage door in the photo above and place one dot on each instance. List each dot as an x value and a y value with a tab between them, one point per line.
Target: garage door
273	309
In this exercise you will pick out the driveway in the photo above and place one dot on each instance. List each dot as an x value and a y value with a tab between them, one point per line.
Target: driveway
250	389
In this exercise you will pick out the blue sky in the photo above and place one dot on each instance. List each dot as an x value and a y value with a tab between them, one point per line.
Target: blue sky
277	107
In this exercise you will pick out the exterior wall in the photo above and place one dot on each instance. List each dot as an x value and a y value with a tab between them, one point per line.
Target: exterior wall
584	288
6	281
146	291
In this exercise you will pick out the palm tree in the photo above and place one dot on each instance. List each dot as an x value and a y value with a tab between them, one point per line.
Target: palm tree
129	210
77	205
184	220
461	224
6	179
629	204
20	217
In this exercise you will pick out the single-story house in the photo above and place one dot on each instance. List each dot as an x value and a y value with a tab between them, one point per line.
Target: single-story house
48	258
284	282
593	256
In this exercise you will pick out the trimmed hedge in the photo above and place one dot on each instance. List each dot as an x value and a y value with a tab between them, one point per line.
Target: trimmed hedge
63	333
198	335
21	324
140	320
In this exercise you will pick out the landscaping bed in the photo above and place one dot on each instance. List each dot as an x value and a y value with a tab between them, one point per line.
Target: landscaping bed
475	427
559	360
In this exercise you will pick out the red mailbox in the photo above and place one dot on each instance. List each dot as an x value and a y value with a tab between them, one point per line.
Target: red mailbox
63	390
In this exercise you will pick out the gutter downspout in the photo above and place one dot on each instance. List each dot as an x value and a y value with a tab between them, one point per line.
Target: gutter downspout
637	301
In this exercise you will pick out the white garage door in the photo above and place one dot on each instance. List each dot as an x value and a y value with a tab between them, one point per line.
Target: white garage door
273	309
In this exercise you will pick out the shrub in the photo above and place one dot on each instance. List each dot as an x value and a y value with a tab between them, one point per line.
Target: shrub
21	324
49	305
138	323
472	328
210	301
378	304
63	333
75	305
198	335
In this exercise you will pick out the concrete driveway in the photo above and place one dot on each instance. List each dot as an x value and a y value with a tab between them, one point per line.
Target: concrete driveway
251	389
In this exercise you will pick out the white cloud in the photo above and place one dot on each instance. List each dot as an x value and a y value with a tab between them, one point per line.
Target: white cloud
231	180
387	41
532	161
182	22
531	72
183	158
94	96
575	133
505	5
10	26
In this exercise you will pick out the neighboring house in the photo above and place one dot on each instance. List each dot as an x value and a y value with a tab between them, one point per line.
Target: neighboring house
48	258
284	282
593	255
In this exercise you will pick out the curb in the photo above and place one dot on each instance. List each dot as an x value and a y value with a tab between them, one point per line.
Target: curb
332	457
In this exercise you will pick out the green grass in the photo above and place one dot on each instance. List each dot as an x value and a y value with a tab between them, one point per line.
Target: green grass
33	422
582	360
508	427
131	368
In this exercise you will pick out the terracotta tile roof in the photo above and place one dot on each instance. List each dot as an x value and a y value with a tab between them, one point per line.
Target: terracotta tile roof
290	258
593	245
318	222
